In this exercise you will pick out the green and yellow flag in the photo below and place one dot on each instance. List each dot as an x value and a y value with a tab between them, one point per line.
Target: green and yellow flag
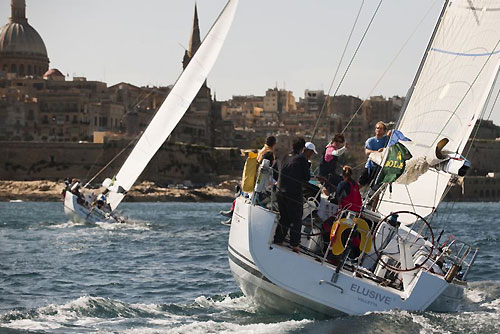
395	164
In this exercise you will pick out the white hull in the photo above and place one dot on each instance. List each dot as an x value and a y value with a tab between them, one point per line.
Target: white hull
82	215
275	276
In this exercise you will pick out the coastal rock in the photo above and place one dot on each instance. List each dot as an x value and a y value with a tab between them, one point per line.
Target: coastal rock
49	191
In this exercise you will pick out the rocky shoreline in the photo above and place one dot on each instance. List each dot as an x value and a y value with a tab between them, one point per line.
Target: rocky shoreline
50	191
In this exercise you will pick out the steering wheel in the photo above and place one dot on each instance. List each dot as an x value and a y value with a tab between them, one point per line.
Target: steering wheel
404	236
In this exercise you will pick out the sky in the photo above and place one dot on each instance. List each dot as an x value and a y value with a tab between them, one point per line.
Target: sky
291	44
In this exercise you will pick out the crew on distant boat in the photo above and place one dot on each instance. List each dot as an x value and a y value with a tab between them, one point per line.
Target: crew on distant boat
74	188
374	144
294	173
328	164
348	195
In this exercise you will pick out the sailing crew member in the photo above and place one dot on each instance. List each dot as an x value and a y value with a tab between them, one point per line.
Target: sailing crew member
374	144
348	195
294	173
328	165
267	151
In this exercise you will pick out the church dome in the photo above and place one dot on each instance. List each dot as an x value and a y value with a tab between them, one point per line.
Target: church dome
21	39
22	50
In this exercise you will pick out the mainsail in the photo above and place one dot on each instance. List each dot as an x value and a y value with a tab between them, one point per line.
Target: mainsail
175	105
449	95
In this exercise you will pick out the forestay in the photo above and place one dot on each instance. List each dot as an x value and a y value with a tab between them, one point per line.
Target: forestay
449	94
175	105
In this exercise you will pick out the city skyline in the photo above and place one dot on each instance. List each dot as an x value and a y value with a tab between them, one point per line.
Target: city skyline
288	44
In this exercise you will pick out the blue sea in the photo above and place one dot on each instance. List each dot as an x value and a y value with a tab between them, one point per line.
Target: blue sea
166	271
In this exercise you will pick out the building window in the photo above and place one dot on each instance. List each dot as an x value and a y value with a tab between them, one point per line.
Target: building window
13	68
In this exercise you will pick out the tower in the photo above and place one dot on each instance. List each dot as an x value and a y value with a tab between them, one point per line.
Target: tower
194	41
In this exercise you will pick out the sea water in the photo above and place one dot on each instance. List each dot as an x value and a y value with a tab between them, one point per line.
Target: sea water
166	271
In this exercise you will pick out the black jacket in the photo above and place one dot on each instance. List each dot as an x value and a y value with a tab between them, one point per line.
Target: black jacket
294	173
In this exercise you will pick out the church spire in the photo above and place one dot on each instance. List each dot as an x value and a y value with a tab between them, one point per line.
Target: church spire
195	41
18	11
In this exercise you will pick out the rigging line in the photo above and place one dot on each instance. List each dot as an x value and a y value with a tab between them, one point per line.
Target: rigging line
466	93
95	162
114	158
390	64
409	197
481	114
134	104
445	192
435	195
404	203
338	67
480	121
446	221
349	65
132	141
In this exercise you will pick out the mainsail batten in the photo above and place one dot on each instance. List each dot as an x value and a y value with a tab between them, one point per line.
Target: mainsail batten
175	105
449	96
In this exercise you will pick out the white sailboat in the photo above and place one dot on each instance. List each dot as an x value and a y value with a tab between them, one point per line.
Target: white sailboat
161	126
401	265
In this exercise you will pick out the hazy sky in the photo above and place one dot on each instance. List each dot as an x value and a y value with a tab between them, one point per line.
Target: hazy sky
294	44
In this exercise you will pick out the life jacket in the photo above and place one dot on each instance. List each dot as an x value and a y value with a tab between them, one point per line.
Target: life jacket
353	200
328	162
249	173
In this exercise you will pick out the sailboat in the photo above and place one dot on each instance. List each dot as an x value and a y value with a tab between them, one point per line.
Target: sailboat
159	129
402	264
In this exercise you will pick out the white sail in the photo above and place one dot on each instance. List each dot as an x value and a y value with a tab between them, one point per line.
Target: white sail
450	92
175	105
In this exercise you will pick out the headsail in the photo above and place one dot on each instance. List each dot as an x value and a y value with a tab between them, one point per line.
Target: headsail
175	105
449	94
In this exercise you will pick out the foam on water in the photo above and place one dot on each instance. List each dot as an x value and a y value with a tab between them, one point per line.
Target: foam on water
128	225
212	327
205	315
167	272
227	303
68	224
238	314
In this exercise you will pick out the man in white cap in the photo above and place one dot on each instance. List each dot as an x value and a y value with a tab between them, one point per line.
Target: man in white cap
309	150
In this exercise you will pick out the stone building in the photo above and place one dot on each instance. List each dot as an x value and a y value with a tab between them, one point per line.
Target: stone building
279	101
378	108
341	111
139	105
313	100
22	50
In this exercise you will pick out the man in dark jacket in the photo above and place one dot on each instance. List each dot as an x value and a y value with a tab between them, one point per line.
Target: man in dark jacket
294	173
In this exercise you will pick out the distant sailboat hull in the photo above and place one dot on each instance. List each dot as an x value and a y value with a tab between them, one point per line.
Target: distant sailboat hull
80	214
